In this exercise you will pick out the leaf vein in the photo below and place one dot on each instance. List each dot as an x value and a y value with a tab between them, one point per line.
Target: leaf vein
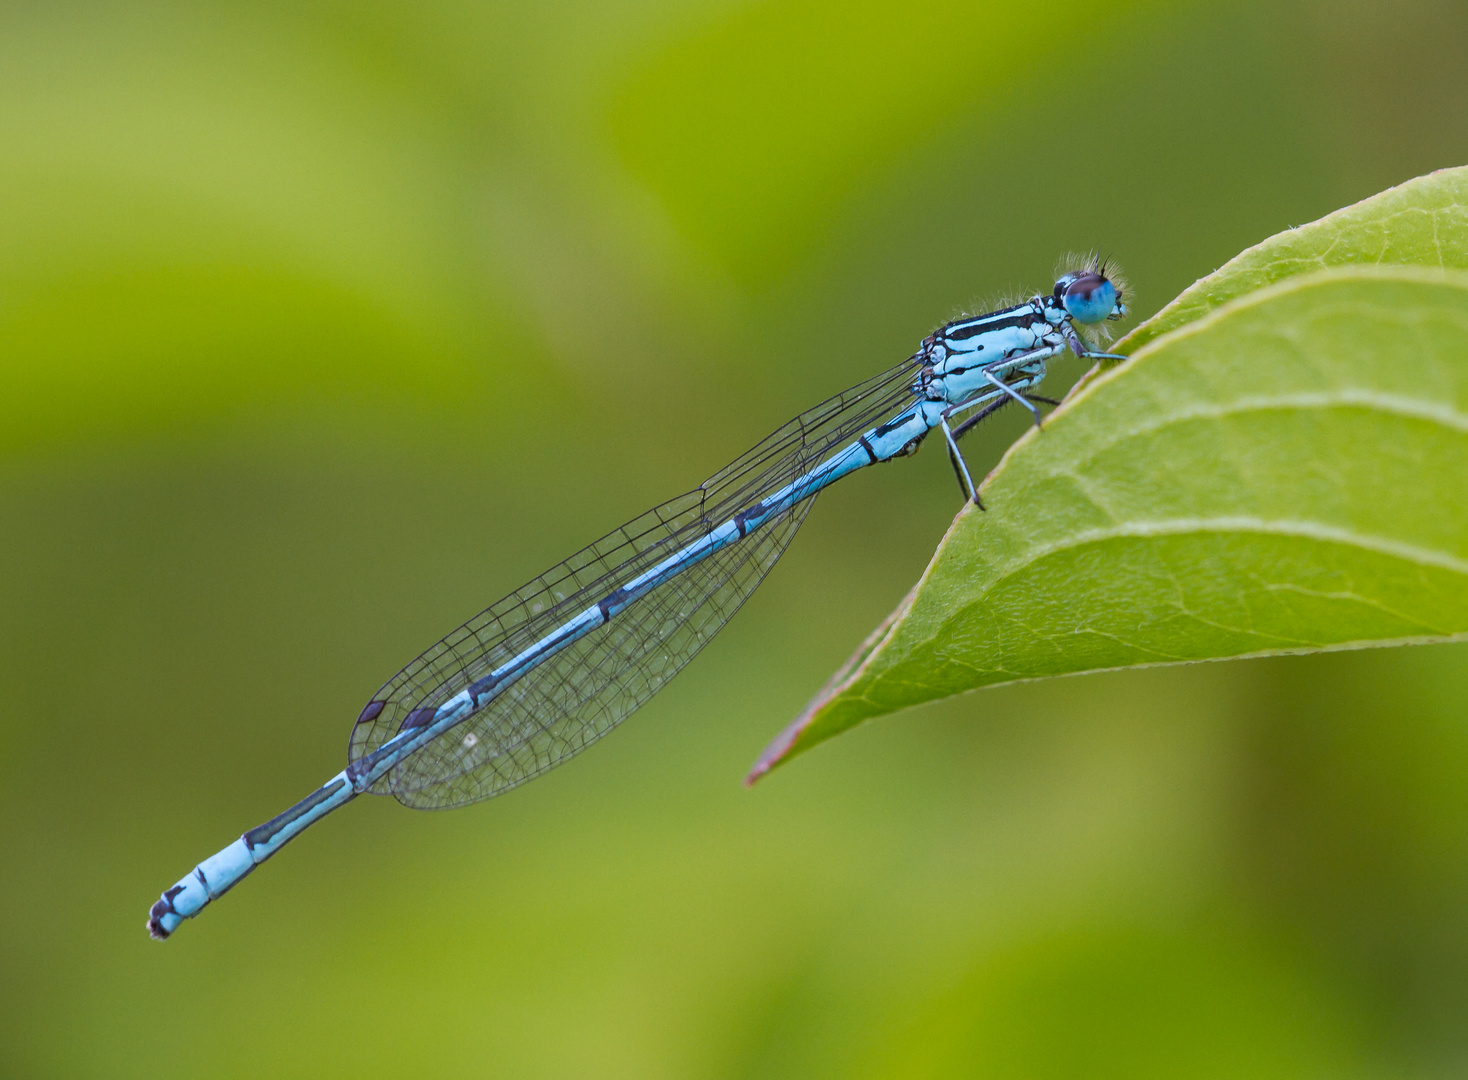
1308	530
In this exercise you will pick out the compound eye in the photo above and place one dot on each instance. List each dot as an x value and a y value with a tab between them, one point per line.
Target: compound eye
1089	298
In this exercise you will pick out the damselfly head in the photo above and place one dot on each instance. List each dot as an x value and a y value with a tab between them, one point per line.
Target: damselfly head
1091	294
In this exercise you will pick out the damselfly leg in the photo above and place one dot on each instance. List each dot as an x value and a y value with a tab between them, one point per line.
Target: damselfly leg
1085	352
965	481
960	467
1014	395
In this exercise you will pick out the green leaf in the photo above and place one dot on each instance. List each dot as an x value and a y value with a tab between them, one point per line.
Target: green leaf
1286	474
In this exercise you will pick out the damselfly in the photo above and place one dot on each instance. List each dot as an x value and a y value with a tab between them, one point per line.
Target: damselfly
561	661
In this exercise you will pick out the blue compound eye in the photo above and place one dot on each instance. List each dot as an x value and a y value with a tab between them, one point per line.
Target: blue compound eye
1087	298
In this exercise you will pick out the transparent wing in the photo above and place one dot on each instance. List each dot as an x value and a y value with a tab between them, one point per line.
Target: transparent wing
578	695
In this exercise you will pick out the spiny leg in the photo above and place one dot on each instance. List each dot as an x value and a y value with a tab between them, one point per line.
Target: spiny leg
983	414
952	435
960	467
957	462
1015	394
1085	352
994	406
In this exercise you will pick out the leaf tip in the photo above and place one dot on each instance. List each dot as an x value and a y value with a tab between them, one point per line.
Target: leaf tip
774	754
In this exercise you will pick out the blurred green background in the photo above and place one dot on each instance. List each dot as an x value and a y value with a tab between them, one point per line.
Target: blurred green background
325	324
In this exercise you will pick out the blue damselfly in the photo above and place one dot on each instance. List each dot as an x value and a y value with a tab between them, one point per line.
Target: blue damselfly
561	661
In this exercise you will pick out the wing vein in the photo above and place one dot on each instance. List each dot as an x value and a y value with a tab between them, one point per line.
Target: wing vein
581	692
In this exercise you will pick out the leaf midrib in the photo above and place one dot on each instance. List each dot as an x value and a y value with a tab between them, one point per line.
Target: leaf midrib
1225	525
1237	523
1074	468
1383	402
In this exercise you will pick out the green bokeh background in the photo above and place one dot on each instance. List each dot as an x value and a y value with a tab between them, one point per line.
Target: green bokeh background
323	325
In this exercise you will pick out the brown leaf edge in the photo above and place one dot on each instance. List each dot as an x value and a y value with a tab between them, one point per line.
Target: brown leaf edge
771	755
776	752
